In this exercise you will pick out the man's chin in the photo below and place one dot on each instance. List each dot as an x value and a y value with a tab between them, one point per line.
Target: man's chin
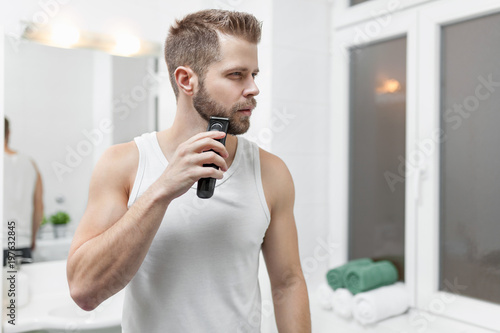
240	128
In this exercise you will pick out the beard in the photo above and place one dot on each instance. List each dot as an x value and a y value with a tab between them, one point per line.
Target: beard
207	107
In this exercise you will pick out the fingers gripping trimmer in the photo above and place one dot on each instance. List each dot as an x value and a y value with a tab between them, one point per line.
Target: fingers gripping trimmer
206	186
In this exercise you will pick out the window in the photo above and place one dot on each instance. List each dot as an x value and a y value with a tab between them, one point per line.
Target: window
457	216
470	158
445	56
377	144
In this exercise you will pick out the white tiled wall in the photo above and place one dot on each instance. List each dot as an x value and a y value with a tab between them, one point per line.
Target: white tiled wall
300	95
298	121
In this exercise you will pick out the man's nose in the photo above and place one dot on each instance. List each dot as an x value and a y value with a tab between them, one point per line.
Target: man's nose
251	88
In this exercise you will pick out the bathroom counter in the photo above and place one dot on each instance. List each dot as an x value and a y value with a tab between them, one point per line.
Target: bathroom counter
52	249
48	304
413	321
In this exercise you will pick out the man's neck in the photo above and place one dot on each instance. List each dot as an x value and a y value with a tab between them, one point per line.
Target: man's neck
188	123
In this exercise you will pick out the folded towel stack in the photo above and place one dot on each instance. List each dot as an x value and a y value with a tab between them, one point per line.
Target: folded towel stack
342	302
367	291
381	303
335	276
324	295
363	278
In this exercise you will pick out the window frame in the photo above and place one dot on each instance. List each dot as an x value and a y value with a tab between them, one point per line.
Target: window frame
422	26
373	10
402	24
432	18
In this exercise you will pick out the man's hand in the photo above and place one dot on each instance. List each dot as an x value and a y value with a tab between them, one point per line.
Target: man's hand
186	166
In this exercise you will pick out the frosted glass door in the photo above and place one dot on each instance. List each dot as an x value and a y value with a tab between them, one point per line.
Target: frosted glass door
470	158
377	147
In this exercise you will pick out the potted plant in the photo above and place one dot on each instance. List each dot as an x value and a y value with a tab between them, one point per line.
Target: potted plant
59	220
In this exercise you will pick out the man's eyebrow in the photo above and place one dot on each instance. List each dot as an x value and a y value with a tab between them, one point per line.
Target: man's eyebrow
239	69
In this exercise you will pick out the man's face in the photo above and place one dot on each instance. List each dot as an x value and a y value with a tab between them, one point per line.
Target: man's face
228	88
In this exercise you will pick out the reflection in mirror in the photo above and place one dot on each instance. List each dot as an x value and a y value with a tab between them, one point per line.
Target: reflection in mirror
356	2
65	108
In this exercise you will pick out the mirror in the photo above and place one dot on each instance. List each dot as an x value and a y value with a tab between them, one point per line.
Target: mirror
65	107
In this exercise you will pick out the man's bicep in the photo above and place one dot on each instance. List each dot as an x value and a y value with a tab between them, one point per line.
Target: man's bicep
280	250
38	196
107	199
280	247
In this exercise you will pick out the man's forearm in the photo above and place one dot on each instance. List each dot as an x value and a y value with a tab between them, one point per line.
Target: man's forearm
105	264
37	221
291	307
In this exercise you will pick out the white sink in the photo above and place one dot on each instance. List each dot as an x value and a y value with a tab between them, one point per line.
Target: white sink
50	306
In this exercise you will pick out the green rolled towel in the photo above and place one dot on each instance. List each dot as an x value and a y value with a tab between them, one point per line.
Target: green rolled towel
363	278
335	276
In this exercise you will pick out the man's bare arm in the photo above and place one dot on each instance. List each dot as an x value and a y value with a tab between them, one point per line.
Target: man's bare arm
280	249
37	207
111	241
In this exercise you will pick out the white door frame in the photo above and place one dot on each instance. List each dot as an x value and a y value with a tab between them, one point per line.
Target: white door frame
401	24
431	18
379	11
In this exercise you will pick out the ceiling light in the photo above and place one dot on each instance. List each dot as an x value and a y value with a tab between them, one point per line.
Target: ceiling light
127	45
65	35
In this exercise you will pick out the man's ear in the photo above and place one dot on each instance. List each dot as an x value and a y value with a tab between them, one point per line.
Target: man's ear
186	80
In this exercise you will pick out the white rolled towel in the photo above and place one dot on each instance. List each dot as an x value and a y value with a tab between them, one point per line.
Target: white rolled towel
342	302
324	295
381	303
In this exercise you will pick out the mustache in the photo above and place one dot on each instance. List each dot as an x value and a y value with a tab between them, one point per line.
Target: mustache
252	103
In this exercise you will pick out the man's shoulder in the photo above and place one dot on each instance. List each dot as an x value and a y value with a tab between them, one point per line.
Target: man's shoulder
123	152
271	162
119	162
276	177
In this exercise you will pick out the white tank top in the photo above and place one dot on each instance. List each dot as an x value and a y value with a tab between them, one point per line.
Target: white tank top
201	272
18	193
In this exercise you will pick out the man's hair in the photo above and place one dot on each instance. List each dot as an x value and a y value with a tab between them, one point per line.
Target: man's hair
6	128
194	41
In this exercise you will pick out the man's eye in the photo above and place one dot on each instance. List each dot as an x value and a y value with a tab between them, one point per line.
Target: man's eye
254	75
236	74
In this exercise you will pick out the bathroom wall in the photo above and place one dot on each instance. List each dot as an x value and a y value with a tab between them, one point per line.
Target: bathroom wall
134	92
300	121
55	103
